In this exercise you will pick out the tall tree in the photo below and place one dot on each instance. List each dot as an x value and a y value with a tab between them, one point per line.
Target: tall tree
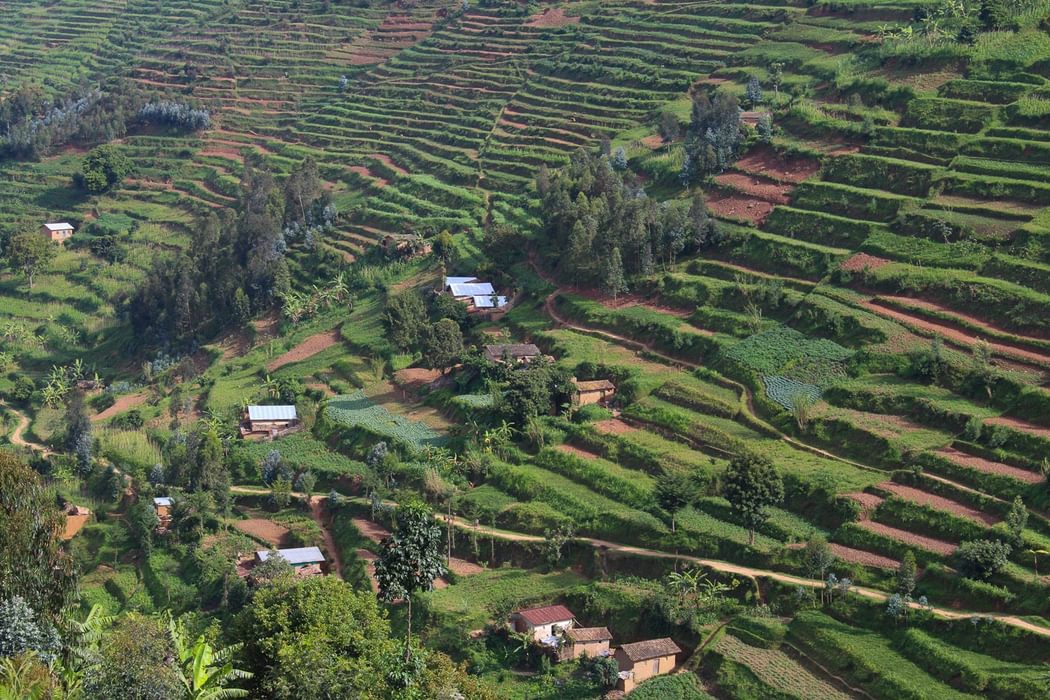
410	559
613	281
32	562
906	573
752	484
443	344
78	431
29	253
674	491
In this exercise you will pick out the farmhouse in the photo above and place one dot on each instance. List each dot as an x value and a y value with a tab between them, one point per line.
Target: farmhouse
306	561
269	421
641	661
58	232
598	391
512	354
542	624
76	518
477	295
163	505
589	641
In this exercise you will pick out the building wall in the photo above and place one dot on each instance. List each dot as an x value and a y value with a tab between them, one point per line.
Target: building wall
591	649
540	631
265	426
643	670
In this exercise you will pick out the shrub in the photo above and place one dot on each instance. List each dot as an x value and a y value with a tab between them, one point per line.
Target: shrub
981	559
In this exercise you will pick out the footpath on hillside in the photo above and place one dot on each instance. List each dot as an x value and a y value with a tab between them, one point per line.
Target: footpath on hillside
714	564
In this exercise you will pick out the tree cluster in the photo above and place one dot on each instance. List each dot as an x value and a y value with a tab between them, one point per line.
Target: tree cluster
33	124
103	168
605	228
175	114
715	137
235	266
431	325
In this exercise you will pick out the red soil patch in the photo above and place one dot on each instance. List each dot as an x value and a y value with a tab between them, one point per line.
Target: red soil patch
938	308
613	426
74	523
263	529
868	501
308	348
955	335
122	404
862	261
371	530
752	118
573	450
370	565
729	205
362	170
1021	426
552	17
415	377
507	122
652	142
754	186
462	567
856	556
936	546
988	466
386	160
939	503
768	163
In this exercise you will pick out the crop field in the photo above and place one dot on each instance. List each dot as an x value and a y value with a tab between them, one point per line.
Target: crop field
358	411
869	307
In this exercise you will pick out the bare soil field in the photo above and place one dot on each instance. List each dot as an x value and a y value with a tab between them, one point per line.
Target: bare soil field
936	546
308	348
613	426
769	163
552	17
123	403
988	466
939	503
263	529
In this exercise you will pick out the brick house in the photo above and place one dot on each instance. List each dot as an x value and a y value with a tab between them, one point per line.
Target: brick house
641	661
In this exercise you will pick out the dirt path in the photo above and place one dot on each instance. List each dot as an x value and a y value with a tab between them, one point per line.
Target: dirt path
308	348
18	436
317	510
750	572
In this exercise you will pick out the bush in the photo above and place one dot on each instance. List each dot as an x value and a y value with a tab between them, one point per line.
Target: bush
982	559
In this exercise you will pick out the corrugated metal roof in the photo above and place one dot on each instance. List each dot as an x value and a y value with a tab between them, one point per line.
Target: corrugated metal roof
485	302
61	226
459	280
496	353
472	289
163	501
272	413
298	555
546	615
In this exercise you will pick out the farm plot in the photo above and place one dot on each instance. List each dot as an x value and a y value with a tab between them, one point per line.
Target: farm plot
778	670
358	411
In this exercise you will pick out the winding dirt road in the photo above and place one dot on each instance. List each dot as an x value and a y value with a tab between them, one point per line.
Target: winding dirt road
18	436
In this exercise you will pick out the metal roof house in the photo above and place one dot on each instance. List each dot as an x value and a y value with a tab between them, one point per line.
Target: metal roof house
468	290
306	561
490	302
641	661
58	232
542	623
269	421
163	506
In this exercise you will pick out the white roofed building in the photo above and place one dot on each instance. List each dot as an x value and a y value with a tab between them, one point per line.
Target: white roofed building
271	421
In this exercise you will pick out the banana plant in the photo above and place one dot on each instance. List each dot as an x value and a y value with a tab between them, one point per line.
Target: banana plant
205	671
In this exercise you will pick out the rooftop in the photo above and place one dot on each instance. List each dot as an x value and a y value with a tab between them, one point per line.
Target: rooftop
299	555
596	385
498	352
472	289
163	501
60	226
272	413
459	280
486	302
546	615
589	634
650	649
